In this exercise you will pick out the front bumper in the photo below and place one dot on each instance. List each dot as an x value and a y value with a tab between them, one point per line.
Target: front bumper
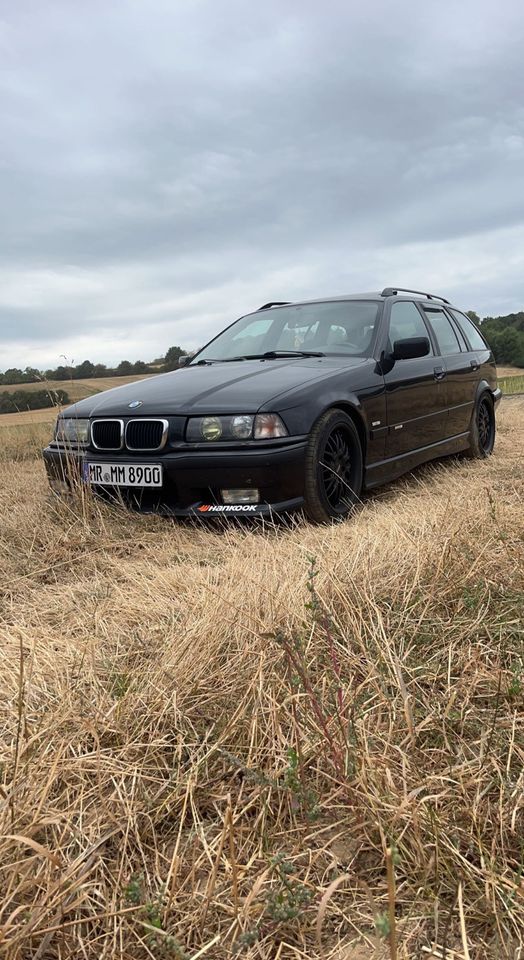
192	479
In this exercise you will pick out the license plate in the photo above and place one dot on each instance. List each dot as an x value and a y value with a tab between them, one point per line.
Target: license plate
123	474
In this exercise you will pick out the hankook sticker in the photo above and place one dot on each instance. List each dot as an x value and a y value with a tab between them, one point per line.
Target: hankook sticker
227	508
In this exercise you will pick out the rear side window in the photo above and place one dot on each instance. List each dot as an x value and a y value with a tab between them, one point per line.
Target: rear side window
405	322
470	331
446	337
462	340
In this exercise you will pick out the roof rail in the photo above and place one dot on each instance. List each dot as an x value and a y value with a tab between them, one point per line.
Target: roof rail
274	303
392	292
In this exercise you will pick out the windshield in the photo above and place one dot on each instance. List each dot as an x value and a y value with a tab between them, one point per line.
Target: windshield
342	327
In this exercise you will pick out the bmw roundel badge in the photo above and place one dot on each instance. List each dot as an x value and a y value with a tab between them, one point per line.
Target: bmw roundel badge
134	404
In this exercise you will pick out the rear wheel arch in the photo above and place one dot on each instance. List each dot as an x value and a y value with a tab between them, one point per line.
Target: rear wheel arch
483	387
482	430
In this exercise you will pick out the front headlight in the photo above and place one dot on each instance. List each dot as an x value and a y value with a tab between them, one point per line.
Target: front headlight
243	426
72	430
211	428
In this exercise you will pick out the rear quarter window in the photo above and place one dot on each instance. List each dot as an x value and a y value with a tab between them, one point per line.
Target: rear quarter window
470	331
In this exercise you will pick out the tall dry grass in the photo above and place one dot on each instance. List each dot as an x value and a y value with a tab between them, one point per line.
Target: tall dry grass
266	743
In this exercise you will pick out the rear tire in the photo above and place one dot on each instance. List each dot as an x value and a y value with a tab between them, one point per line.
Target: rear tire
482	428
334	468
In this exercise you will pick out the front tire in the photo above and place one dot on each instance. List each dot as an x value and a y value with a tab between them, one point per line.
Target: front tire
334	468
482	429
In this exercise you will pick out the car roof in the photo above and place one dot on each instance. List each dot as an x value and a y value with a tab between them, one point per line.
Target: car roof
387	294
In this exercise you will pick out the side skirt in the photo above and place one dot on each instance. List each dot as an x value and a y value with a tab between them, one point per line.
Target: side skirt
386	470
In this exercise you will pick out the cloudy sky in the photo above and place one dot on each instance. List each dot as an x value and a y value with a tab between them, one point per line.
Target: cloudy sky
167	165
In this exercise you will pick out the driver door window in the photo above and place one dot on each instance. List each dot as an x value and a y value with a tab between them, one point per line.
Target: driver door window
405	322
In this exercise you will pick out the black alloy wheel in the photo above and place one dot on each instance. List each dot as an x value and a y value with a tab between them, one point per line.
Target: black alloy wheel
486	425
334	468
483	429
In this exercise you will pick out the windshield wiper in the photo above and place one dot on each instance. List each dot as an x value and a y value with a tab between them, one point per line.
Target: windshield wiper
268	355
276	355
292	353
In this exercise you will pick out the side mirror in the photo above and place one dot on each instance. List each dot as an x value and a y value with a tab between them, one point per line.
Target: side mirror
410	348
183	361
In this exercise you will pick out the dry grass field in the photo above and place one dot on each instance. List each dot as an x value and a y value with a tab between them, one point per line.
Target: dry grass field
26	418
76	389
505	371
269	744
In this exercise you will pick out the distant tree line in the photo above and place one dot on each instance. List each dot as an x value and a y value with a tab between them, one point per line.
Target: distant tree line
87	370
31	400
505	336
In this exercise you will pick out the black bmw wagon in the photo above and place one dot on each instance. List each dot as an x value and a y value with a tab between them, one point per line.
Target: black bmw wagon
294	406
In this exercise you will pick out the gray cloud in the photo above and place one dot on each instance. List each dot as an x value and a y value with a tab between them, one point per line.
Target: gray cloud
167	167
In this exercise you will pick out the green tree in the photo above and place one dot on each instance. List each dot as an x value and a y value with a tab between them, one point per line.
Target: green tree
124	369
172	357
505	336
13	375
506	344
61	373
84	370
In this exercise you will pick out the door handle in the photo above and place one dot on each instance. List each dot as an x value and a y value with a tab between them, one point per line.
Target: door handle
474	364
439	373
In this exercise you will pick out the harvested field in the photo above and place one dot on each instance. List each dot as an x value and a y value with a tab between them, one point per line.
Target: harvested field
505	371
277	744
25	418
75	389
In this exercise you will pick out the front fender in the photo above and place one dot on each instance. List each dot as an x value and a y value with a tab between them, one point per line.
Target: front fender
365	402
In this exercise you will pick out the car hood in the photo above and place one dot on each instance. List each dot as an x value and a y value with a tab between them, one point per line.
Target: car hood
242	386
